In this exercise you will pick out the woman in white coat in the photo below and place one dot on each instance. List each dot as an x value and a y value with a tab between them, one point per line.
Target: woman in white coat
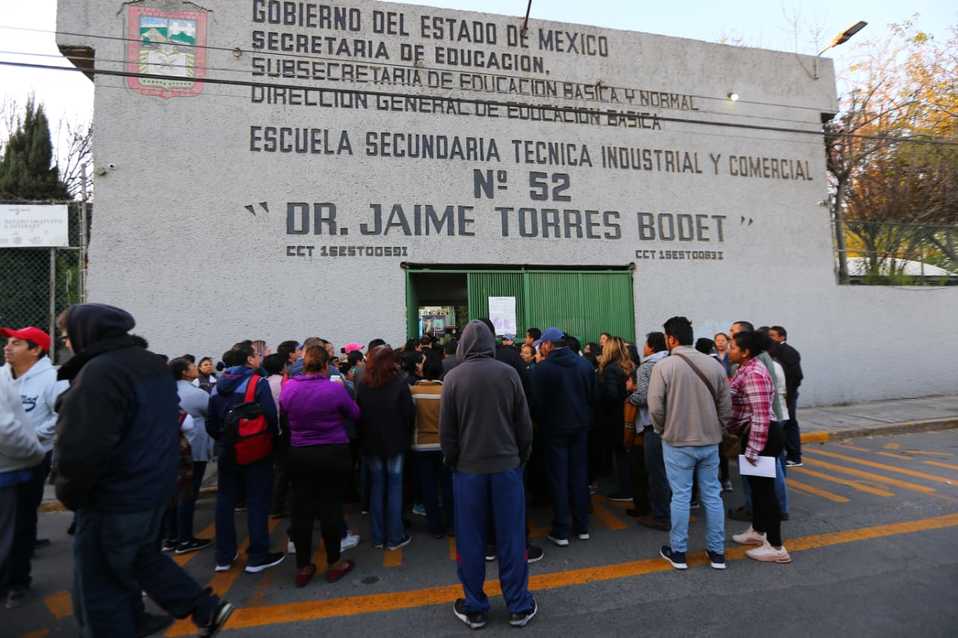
194	402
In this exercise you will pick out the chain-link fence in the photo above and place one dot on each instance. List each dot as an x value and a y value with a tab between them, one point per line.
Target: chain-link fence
896	253
38	283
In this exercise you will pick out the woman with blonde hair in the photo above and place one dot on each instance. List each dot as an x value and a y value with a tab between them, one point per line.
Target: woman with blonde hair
615	366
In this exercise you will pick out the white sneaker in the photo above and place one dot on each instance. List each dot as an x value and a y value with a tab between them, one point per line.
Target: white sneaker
290	547
225	568
584	536
768	554
349	541
749	537
559	542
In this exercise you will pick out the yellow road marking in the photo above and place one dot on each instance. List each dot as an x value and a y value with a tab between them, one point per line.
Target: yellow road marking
538	531
319	556
39	633
861	487
259	593
891	455
183	559
60	604
605	516
926	453
311	610
809	489
816	437
870	476
891	446
888	468
392	558
947	466
223	581
452	548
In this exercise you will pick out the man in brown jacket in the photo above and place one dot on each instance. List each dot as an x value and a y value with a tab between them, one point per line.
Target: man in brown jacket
434	476
690	404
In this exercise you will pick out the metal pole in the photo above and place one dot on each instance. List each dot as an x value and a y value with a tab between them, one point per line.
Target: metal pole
525	22
81	274
53	296
840	245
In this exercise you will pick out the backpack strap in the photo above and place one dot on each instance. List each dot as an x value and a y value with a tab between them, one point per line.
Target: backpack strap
700	375
251	388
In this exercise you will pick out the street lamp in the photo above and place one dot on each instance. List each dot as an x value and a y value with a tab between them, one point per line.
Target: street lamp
841	38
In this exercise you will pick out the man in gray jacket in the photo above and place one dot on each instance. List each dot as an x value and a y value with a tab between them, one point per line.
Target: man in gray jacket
35	380
690	404
486	438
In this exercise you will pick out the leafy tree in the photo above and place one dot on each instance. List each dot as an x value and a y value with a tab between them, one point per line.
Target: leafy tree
893	153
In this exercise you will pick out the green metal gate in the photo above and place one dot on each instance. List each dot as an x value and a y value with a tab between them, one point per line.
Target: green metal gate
584	303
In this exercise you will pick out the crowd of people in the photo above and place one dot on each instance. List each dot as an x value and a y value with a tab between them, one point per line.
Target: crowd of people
460	429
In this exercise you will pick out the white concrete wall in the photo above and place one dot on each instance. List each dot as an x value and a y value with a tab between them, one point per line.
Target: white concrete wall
173	243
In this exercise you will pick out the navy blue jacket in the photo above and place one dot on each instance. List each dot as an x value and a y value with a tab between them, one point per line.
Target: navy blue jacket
230	391
563	393
117	446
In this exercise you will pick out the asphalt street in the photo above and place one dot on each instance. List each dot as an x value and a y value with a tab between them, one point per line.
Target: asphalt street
872	536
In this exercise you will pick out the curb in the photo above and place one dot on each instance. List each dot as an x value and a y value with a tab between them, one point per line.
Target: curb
930	425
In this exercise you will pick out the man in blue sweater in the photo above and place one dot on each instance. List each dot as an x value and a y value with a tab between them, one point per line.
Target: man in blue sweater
563	391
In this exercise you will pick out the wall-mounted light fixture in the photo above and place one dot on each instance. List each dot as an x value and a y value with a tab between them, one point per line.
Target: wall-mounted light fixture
733	96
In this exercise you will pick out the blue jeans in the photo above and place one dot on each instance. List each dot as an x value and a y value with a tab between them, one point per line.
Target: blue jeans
116	557
385	499
681	464
499	499
435	481
257	479
568	462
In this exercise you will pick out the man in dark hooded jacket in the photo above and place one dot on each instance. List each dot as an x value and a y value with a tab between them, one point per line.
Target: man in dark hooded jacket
117	451
563	393
486	438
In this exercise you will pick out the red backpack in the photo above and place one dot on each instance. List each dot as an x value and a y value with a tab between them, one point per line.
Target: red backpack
246	431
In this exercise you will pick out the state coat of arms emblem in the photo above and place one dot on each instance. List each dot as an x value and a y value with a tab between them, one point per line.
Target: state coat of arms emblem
171	44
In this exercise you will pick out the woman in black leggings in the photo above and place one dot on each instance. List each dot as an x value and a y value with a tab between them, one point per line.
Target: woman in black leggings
319	462
752	395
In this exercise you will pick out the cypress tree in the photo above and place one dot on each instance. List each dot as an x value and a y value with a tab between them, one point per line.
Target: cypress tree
27	170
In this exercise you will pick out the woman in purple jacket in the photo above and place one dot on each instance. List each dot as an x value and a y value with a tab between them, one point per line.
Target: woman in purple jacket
319	462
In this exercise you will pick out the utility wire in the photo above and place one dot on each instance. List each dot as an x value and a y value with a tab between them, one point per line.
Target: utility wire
467	100
300	56
171	65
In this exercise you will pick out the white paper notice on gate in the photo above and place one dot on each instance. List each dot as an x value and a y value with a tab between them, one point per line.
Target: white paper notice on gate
765	466
33	226
502	314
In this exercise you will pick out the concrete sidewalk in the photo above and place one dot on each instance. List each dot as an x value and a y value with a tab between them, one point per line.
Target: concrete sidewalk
817	424
878	417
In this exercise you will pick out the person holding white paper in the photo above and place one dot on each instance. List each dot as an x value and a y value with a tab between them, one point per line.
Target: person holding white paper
752	394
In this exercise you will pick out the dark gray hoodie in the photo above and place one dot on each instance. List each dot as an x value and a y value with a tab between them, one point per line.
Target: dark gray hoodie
484	424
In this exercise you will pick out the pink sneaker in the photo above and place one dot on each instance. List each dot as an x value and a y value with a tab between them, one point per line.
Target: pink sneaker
749	537
768	554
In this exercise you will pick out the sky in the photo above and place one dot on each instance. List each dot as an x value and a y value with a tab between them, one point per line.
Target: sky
765	24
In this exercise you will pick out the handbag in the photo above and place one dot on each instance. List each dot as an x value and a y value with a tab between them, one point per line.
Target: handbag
730	443
631	437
